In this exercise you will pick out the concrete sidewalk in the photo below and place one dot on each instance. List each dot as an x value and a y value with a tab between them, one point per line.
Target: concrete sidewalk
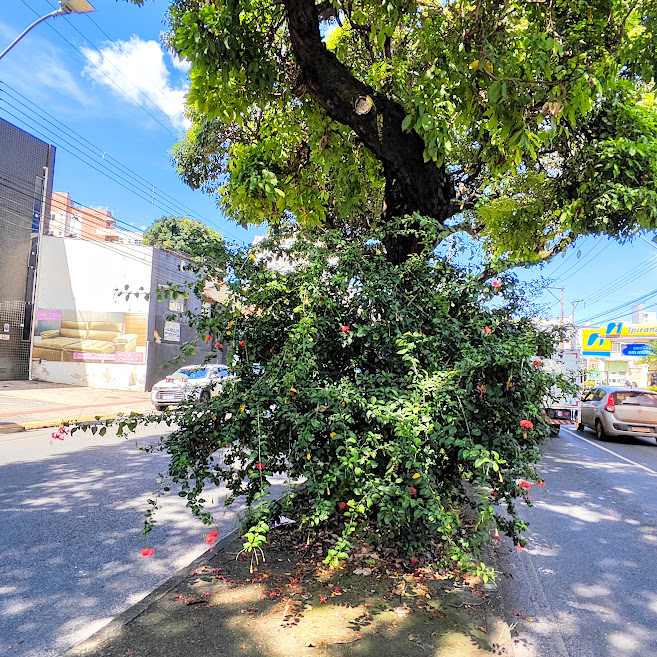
36	404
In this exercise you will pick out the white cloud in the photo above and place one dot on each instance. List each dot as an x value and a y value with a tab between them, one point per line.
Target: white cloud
181	64
136	70
34	64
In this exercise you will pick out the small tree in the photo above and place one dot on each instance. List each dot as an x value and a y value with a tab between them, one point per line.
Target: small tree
181	234
396	392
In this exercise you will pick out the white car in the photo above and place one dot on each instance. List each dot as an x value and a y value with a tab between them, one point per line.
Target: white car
190	383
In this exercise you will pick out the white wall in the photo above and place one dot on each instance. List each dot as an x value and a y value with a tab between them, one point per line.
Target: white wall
81	274
85	280
92	375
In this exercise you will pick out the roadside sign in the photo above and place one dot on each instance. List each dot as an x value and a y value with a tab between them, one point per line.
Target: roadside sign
6	328
636	350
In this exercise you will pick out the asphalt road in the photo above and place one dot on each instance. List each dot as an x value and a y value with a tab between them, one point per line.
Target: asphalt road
586	585
71	515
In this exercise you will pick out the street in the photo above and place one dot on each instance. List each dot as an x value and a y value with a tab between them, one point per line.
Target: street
70	544
71	516
586	585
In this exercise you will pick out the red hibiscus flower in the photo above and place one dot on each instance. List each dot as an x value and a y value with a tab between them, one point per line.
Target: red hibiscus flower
342	506
242	343
218	345
212	537
487	329
527	424
537	363
147	552
525	484
260	466
541	484
208	338
344	329
413	490
497	284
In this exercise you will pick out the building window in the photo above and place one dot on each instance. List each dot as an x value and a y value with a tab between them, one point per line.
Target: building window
177	305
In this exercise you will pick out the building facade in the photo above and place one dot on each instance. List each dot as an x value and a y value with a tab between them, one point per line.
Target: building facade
26	172
613	352
99	321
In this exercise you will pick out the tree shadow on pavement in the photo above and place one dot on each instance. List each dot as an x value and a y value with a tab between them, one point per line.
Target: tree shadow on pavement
286	609
587	583
71	540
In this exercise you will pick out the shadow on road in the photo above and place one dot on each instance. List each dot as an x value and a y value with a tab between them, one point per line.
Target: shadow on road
70	542
588	579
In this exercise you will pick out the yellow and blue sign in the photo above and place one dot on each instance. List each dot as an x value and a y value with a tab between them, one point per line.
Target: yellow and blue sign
597	342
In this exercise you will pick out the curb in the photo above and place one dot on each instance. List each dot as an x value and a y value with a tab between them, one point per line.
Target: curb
10	427
498	628
116	625
42	424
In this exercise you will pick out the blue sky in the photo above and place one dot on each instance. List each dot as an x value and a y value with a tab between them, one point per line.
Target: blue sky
102	87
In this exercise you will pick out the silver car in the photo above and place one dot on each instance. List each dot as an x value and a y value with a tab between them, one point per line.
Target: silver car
616	411
191	383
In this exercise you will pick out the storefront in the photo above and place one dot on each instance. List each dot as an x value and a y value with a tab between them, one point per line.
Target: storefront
613	353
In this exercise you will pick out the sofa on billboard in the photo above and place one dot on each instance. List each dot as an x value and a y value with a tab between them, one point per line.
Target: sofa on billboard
83	338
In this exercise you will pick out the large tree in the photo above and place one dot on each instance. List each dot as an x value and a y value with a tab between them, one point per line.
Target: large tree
525	124
372	130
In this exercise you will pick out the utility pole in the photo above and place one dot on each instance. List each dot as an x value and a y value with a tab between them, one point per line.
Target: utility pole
572	321
562	291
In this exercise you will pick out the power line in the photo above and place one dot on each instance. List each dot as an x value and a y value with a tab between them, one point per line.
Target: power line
119	249
587	259
113	82
627	278
622	307
118	178
148	191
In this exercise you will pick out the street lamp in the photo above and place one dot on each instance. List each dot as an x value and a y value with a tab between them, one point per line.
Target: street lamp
65	7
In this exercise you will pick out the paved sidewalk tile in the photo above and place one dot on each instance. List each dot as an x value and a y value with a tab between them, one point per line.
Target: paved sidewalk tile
36	404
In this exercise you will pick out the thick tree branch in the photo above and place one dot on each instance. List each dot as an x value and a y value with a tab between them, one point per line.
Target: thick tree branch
412	185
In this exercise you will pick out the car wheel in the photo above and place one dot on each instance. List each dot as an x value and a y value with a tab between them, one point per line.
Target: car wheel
159	407
554	429
599	431
205	396
580	427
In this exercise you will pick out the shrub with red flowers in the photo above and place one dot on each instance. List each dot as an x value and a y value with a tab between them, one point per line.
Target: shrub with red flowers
366	380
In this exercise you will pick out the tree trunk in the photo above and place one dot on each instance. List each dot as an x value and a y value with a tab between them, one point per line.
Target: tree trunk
412	185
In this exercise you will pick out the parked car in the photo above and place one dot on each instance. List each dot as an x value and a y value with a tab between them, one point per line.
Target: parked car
619	411
191	383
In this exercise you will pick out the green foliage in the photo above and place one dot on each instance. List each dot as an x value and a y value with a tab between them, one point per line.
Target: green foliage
187	236
544	113
394	392
651	358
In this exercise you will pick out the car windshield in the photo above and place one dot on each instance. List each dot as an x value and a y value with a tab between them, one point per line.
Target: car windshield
636	398
192	373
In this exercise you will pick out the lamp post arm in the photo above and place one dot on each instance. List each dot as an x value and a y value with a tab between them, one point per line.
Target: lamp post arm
58	12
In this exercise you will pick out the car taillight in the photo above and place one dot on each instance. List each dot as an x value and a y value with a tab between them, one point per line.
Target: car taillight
611	404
